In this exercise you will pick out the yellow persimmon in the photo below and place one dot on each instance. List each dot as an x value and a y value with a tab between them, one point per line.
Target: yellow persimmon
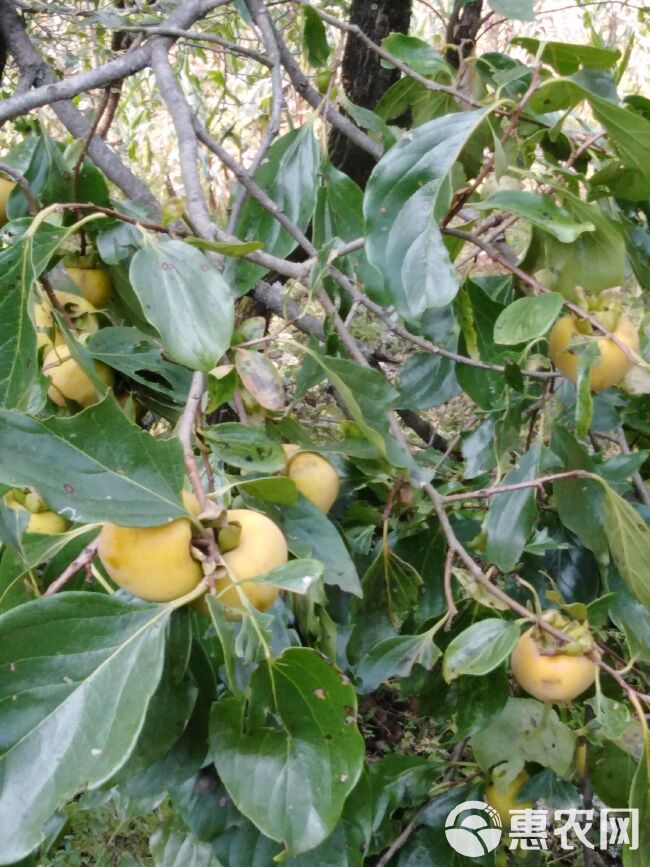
613	364
154	563
69	380
548	674
94	284
313	475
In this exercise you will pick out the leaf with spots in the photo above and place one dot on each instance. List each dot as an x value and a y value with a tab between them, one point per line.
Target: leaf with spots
186	299
629	541
260	378
61	658
291	755
107	469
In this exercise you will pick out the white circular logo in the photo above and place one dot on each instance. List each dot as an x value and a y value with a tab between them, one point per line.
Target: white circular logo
473	835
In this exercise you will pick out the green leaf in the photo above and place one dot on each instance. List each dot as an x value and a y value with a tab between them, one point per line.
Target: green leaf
186	300
297	576
315	46
527	318
310	533
628	536
107	469
511	516
526	731
427	380
417	53
640	801
364	391
567	57
578	501
390	586
60	660
274	489
628	130
225	248
407	194
480	701
139	357
540	210
178	848
246	447
480	648
339	215
395	657
595	261
520	10
21	263
292	781
289	175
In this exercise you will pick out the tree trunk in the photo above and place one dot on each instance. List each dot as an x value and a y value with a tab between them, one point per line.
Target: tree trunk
463	26
365	80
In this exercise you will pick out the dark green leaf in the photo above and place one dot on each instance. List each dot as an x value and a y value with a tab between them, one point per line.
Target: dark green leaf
511	516
628	536
395	657
406	196
61	658
391	585
567	57
302	772
426	381
107	468
480	701
186	300
417	53
540	210
526	731
246	447
139	357
310	533
578	501
480	648
178	848
314	38
289	175
527	318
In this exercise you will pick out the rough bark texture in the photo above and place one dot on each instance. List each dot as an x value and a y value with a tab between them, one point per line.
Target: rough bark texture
463	26
364	78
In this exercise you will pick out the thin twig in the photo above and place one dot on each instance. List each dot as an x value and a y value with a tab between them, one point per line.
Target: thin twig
516	486
21	181
81	561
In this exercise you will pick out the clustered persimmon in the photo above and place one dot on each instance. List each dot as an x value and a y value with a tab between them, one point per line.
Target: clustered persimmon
157	563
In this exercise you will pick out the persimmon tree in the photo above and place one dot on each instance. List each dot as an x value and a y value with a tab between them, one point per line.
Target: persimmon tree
256	564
